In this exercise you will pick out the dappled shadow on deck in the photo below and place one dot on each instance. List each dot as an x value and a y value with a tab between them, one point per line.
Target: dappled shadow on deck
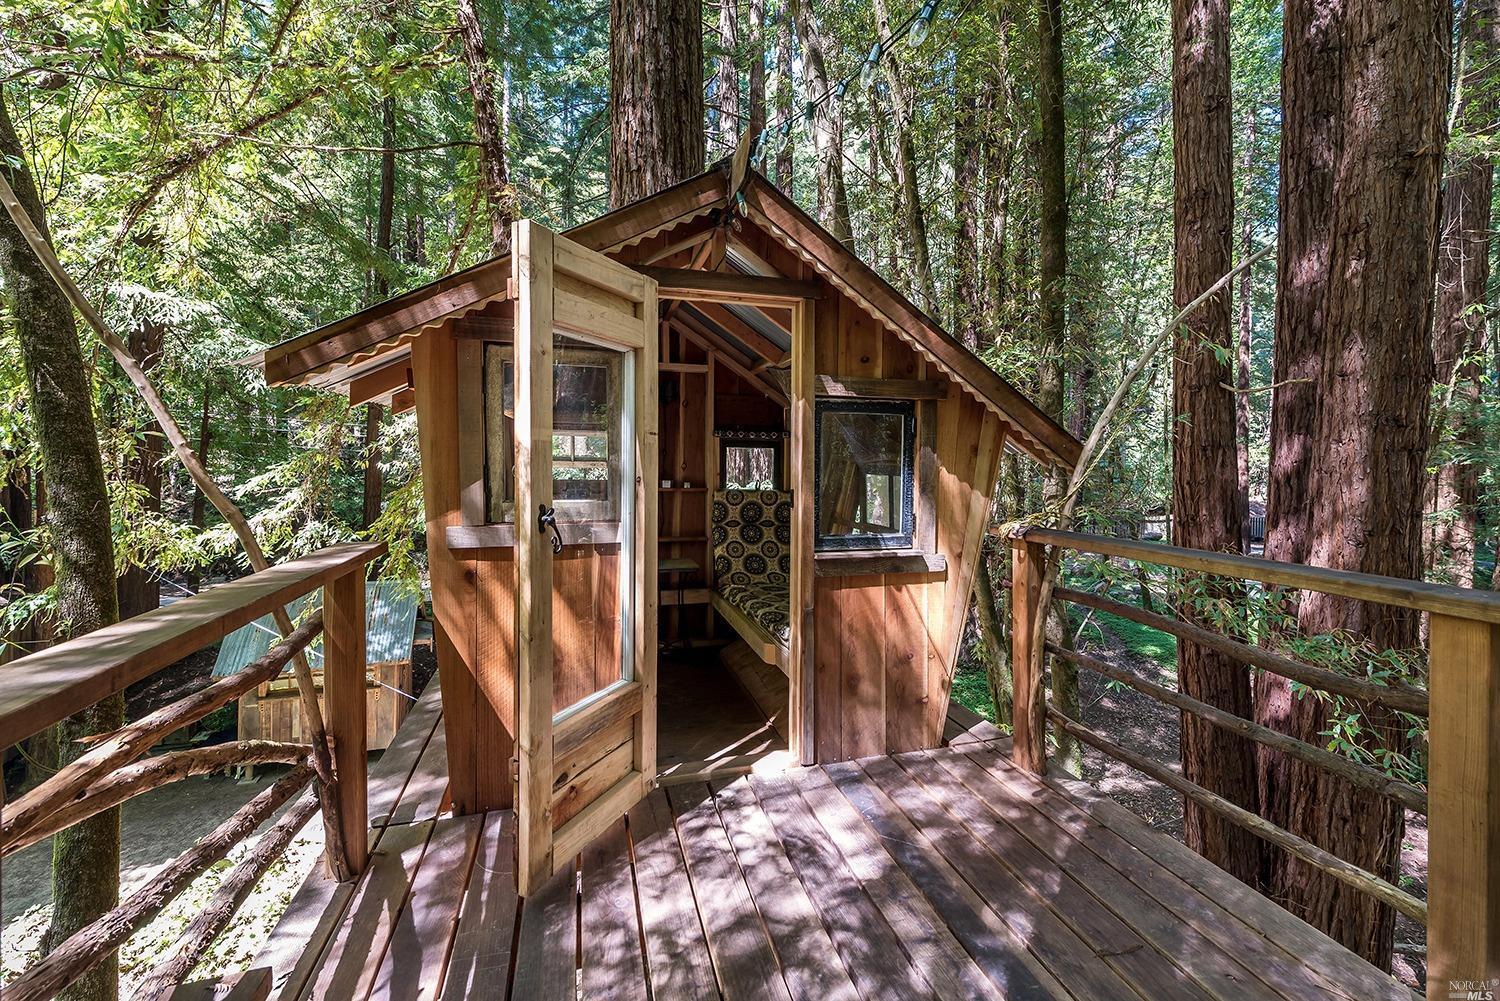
939	874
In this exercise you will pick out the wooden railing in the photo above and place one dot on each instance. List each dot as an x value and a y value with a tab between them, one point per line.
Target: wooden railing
39	690
1461	704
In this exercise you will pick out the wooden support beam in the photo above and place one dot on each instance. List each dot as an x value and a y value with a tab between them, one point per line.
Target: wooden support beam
1463	874
344	695
380	383
764	348
800	679
706	339
1029	746
881	389
721	286
403	401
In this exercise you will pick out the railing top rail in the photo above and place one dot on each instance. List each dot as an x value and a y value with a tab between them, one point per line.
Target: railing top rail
1483	606
41	688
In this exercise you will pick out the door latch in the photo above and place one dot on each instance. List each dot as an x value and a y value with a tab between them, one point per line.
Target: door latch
545	518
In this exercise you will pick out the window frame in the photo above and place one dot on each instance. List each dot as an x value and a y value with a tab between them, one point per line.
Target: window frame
741	438
904	539
500	441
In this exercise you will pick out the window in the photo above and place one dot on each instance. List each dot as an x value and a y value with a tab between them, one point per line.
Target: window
586	433
864	474
750	461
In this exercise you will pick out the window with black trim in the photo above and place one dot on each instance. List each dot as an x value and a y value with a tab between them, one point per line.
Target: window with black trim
863	479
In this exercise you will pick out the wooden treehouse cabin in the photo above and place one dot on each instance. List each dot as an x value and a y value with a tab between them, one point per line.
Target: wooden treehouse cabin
705	498
687	416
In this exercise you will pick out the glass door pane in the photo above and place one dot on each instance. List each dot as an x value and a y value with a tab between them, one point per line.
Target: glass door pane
593	490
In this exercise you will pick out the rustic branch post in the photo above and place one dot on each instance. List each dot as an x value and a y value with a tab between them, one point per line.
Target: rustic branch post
1029	725
344	691
1463	930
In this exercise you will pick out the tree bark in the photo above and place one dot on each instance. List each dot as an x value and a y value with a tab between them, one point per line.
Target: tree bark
494	163
655	96
968	213
783	98
828	127
1311	138
85	858
757	58
1203	426
1246	318
727	80
1370	450
1458	334
138	590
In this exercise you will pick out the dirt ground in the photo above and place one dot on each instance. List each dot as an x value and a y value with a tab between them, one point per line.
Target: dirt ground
1151	728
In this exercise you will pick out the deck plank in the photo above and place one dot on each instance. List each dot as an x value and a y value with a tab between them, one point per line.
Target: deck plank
347	968
1214	966
744	959
1283	969
993	944
389	776
677	955
484	941
1328	961
918	926
419	945
610	932
809	962
426	790
547	948
1071	931
869	946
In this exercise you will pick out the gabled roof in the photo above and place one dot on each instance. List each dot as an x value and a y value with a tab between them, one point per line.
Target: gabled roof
334	354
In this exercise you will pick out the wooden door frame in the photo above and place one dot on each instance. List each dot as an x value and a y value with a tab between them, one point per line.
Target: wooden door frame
537	255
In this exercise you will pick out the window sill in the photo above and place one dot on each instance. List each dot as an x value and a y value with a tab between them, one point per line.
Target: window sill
857	563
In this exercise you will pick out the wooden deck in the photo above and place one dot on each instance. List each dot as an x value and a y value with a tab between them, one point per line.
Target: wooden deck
943	874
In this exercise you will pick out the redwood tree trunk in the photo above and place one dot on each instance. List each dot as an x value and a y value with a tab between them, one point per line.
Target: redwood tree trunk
1370	450
727	80
655	96
783	99
1205	491
1458	334
494	164
1311	127
86	857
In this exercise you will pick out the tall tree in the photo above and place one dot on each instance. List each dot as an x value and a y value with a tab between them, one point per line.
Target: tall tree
86	856
1052	320
1369	451
783	98
1311	130
914	221
727	80
1246	328
655	95
384	218
1458	333
757	59
1205	494
828	126
494	163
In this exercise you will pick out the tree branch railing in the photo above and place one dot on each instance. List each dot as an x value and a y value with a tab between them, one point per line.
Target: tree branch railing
38	690
1462	705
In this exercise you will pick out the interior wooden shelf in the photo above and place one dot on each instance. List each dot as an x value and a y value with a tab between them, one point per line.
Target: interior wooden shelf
683	490
677	540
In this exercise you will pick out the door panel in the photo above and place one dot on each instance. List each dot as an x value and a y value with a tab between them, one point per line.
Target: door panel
582	387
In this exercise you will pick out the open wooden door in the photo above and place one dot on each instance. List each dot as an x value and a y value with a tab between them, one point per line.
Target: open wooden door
585	403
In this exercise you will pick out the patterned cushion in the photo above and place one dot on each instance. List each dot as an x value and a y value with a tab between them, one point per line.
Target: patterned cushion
752	535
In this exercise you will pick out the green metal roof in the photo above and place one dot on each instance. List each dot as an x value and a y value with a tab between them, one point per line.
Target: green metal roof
390	616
